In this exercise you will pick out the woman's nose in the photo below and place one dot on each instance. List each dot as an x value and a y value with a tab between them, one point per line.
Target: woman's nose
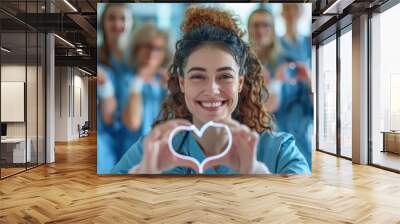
213	87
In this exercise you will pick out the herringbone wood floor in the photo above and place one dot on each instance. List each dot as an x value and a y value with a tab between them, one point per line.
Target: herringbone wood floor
70	191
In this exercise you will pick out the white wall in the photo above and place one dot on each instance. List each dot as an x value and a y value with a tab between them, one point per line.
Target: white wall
33	127
15	73
61	103
70	83
80	89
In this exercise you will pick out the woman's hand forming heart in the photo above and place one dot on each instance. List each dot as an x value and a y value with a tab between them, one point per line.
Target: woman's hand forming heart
242	156
156	154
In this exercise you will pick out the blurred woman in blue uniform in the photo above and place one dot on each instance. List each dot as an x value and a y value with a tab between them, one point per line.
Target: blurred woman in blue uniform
296	47
117	76
214	77
295	111
149	57
263	40
136	102
288	82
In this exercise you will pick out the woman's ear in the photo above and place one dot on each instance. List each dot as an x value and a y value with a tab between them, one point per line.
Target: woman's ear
241	83
181	83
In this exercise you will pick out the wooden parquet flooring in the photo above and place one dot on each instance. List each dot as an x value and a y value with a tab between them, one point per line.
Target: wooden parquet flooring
70	191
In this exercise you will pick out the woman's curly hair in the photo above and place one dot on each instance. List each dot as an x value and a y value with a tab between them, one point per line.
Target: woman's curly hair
218	28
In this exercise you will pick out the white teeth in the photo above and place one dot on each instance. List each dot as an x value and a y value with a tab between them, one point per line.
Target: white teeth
211	105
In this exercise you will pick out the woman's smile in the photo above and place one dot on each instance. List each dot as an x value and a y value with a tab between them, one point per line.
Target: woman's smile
212	105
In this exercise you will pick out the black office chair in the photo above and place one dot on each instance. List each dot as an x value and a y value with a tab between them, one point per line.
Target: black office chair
84	130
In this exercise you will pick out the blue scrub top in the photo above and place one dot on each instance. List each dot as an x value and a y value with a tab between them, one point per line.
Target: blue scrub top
298	51
153	95
277	151
295	115
114	139
120	76
123	77
120	66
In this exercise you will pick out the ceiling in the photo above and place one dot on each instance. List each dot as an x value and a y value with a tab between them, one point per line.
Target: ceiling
331	15
76	23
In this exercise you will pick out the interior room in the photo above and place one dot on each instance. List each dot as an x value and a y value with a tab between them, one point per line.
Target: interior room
23	96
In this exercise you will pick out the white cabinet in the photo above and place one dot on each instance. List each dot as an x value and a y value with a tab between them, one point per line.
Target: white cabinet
18	149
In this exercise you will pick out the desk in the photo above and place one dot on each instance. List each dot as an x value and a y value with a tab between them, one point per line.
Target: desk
15	148
391	141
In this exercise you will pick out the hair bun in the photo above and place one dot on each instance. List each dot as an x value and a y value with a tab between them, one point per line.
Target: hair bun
198	16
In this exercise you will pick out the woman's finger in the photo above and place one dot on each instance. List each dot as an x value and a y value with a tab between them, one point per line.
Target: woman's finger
166	132
303	71
159	131
169	125
217	162
149	164
280	74
170	160
154	154
186	163
232	124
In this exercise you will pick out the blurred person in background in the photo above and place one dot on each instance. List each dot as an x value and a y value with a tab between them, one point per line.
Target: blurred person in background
295	110
295	46
263	39
113	26
265	43
149	59
114	76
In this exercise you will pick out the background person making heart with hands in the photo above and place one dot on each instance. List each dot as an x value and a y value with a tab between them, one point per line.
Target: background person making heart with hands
214	77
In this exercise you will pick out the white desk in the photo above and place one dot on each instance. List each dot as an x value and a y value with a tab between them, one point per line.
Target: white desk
18	150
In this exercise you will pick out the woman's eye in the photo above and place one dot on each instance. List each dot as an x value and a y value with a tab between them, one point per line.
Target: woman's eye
226	76
199	77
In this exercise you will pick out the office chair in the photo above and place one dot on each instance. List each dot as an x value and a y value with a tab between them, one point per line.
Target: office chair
84	130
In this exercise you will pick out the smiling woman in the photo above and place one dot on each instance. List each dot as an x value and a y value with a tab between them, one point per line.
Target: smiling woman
214	77
210	85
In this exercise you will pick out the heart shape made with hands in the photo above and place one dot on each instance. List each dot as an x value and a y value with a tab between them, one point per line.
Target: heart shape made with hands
200	133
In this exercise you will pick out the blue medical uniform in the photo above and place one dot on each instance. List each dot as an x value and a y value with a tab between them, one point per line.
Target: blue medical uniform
115	139
121	80
295	115
295	111
153	95
277	151
106	145
298	51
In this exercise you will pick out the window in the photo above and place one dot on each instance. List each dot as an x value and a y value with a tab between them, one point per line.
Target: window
346	94
22	75
327	97
385	89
